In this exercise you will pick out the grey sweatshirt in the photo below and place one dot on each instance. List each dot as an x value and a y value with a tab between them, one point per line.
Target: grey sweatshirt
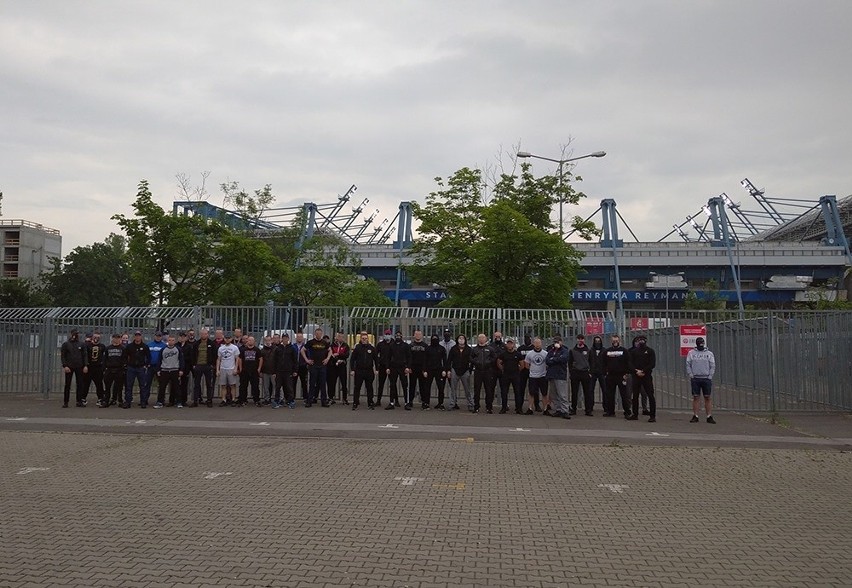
700	364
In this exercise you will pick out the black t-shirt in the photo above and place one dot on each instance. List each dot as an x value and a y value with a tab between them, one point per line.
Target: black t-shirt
511	361
317	350
250	357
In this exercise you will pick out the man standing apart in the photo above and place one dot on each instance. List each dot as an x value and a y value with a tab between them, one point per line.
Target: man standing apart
642	361
317	353
700	367
74	360
557	375
363	365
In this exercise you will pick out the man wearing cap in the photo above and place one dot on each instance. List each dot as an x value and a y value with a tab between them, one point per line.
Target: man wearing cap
114	368
156	346
557	375
578	369
383	363
700	367
74	362
205	353
137	357
642	361
227	370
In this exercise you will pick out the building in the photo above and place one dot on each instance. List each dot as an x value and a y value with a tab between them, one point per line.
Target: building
28	248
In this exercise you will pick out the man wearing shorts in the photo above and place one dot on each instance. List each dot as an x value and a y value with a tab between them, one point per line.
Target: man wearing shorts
226	370
700	367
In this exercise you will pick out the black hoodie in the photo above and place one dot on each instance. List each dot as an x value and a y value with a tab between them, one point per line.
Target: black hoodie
596	357
436	356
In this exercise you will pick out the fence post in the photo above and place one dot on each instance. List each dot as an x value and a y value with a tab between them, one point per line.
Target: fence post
270	316
773	363
48	340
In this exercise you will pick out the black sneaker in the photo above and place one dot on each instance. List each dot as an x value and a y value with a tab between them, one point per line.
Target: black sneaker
390	406
653	419
489	411
529	411
354	407
425	406
65	405
538	409
646	412
504	410
559	414
407	407
455	407
80	405
572	411
590	413
209	404
632	417
694	419
439	407
372	407
546	412
711	420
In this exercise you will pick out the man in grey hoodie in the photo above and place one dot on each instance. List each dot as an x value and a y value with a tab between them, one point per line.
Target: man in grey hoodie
700	367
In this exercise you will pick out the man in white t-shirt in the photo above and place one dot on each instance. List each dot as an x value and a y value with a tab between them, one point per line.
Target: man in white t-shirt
534	361
227	370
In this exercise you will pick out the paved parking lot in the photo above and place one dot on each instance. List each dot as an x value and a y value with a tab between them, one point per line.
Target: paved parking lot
102	509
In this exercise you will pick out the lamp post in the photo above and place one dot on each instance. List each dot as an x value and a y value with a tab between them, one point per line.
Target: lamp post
665	278
561	163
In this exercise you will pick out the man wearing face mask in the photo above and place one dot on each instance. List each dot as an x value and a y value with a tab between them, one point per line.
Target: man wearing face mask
557	374
578	368
616	369
596	368
700	367
399	362
417	366
74	364
525	370
436	357
458	368
497	342
642	361
383	363
509	362
484	359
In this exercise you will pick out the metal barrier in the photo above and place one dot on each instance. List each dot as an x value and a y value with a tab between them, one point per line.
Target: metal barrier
766	360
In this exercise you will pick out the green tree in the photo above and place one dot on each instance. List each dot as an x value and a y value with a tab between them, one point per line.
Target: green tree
95	275
711	300
22	293
249	207
498	250
248	272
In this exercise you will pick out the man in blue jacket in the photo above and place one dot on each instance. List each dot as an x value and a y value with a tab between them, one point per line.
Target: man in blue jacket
557	376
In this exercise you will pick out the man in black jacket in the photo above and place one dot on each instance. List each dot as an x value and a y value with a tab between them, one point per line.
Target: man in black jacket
286	370
205	351
399	360
114	363
484	359
137	357
436	357
578	371
417	366
509	364
616	368
74	362
95	351
642	361
363	364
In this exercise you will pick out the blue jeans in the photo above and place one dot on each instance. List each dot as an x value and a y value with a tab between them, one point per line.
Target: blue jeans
140	374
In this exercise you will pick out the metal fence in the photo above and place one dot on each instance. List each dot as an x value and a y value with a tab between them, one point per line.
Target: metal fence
766	360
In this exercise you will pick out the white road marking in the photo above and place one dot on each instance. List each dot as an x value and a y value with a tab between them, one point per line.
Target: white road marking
214	475
16	418
388	426
655	434
519	429
26	471
408	481
615	488
261	424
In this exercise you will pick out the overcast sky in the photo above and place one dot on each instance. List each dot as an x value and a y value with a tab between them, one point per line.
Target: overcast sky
687	98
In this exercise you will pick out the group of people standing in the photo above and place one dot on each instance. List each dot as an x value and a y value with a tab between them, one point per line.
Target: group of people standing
272	372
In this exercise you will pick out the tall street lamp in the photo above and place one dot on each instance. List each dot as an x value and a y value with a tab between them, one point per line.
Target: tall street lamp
666	280
561	162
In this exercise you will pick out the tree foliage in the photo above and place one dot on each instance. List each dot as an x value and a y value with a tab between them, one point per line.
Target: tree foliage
710	300
499	249
23	293
95	275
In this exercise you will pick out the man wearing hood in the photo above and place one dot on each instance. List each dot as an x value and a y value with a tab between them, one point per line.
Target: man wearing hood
417	365
399	360
509	362
436	357
484	359
458	368
616	369
578	369
700	367
642	361
596	367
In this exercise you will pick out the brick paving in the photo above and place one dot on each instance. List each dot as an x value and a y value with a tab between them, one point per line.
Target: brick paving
153	510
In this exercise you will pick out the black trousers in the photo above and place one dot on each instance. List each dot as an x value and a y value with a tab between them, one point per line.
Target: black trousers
598	380
644	384
337	374
200	372
170	380
416	380
440	382
513	380
380	388
484	377
249	377
614	381
284	381
77	374
397	375
363	378
113	384
583	379
95	375
302	374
